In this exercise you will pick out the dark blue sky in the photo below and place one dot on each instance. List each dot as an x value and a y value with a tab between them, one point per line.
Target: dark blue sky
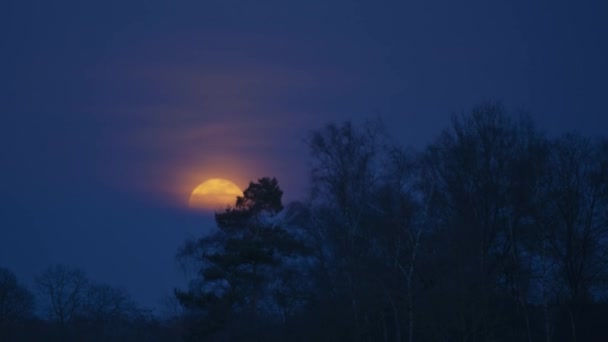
112	111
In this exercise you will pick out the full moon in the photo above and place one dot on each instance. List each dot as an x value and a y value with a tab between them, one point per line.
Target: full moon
215	193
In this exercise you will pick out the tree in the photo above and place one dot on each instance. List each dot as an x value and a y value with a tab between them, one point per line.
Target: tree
16	302
365	214
344	172
575	223
405	208
104	303
108	314
485	172
238	261
65	290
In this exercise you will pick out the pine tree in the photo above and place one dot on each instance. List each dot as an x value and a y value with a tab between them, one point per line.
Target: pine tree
238	261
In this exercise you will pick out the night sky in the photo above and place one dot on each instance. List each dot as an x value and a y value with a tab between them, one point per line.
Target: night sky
113	111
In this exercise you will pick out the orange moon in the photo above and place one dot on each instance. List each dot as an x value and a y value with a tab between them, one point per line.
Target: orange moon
214	193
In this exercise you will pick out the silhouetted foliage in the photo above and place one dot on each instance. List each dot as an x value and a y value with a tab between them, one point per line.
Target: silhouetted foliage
484	175
80	310
64	291
492	233
16	304
237	265
574	226
369	228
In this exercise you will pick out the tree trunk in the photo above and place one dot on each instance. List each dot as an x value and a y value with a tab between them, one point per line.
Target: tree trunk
572	324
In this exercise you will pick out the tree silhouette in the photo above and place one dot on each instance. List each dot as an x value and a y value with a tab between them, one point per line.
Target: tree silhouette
369	230
485	175
574	222
65	289
16	303
239	260
494	232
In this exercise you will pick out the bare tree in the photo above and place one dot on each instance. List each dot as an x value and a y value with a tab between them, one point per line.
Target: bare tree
367	217
106	303
64	289
402	220
344	171
575	220
484	175
16	302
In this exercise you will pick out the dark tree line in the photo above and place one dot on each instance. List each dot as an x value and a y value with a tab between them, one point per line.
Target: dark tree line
494	232
72	308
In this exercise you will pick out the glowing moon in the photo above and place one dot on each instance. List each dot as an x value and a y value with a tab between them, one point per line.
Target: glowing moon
215	193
